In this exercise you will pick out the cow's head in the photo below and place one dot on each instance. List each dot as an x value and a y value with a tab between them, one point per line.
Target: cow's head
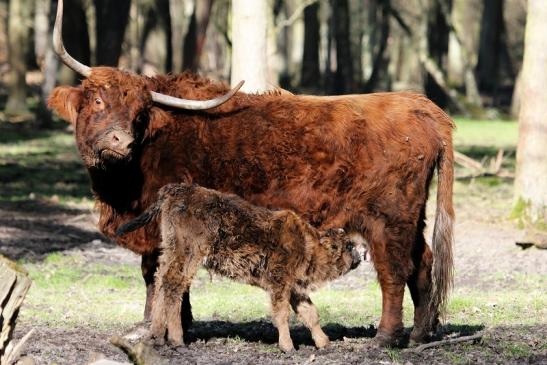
110	110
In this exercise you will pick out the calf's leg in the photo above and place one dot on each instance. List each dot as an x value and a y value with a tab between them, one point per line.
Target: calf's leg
307	314
280	319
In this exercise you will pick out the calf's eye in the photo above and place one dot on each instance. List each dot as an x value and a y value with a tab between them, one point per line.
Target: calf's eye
98	101
349	247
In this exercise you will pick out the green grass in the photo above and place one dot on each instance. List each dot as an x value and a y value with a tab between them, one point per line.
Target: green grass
486	133
68	290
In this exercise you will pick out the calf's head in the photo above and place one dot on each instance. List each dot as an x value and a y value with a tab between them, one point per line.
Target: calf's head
342	251
111	108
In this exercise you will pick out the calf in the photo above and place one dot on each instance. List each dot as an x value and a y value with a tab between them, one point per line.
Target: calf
274	250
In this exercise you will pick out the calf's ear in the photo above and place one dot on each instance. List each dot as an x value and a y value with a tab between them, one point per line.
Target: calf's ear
66	101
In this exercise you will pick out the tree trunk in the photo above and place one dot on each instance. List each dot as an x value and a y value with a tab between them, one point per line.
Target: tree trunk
380	59
249	44
343	83
75	39
531	175
311	74
18	43
14	285
437	41
111	20
195	38
490	44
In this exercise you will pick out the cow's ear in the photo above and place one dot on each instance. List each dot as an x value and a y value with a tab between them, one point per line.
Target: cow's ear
65	101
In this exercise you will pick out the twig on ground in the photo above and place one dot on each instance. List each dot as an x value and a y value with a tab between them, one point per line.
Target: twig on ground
449	341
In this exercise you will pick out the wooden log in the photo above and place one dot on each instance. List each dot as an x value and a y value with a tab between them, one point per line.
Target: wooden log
14	285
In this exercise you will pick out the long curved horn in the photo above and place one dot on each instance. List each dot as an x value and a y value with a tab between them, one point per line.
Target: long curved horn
60	48
194	104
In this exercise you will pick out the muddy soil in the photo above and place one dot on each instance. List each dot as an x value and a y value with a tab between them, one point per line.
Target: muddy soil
33	229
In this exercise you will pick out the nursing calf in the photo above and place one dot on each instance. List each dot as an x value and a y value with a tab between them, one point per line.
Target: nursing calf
274	250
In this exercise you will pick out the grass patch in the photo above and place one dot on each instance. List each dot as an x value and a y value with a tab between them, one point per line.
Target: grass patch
486	133
68	291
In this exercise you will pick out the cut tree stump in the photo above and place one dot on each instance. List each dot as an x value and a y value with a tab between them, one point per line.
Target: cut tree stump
14	285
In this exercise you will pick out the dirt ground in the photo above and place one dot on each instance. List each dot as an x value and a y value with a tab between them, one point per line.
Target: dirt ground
34	229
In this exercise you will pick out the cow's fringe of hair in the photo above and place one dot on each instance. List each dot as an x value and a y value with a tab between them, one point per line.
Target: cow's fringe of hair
443	238
142	220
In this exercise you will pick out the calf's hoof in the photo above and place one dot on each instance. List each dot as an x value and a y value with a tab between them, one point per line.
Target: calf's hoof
286	346
175	341
321	341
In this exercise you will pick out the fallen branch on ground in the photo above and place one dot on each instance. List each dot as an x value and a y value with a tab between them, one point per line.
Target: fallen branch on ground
449	341
14	285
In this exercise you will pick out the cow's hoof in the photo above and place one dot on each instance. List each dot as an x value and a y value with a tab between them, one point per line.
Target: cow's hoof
383	339
418	336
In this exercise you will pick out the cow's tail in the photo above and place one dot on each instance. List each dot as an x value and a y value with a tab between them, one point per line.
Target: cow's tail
151	213
443	234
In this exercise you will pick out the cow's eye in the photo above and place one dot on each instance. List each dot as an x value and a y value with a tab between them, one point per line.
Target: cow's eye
349	247
98	101
141	118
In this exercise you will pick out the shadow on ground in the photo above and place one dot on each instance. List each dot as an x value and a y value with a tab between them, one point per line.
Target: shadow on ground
263	331
32	229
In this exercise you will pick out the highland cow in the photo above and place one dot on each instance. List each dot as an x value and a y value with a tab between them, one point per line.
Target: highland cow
360	162
274	250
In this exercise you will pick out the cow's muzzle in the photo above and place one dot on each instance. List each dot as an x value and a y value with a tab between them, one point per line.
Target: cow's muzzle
115	145
355	258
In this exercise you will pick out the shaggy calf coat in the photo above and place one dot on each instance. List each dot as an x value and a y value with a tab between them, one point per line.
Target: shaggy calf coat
274	250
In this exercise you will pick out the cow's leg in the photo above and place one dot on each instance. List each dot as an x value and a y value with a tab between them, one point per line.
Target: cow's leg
390	251
419	285
149	265
280	318
307	314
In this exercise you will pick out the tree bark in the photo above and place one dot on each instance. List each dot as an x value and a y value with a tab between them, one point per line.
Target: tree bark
531	174
311	74
249	44
195	38
343	82
18	44
111	20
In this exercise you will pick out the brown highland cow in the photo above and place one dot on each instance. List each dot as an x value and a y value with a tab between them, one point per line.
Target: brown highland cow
274	250
360	162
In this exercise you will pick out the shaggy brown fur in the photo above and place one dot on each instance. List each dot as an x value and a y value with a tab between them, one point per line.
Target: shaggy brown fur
361	162
274	250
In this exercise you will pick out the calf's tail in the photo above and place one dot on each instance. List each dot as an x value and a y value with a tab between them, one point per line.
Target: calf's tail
142	220
442	273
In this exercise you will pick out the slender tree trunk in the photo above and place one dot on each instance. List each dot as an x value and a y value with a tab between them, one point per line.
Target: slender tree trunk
490	43
380	60
530	186
49	67
18	43
310	59
437	36
111	20
249	44
344	66
75	38
195	38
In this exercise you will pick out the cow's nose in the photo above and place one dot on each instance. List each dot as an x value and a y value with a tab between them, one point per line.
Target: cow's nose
356	258
122	140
